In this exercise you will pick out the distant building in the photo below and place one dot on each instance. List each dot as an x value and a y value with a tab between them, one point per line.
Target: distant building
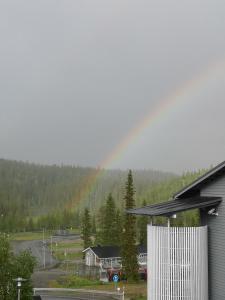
188	262
107	256
62	232
110	257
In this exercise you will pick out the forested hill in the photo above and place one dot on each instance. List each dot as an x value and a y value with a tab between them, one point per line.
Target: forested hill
29	189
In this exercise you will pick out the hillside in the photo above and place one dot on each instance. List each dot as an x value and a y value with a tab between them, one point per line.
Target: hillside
31	190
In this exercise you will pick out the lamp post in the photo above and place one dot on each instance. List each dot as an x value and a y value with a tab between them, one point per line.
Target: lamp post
19	281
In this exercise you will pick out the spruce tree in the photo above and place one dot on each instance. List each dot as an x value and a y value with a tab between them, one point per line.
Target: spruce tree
108	232
86	229
119	227
100	225
93	226
129	248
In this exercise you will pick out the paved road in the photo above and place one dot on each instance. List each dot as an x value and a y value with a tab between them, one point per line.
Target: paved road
38	249
79	295
61	298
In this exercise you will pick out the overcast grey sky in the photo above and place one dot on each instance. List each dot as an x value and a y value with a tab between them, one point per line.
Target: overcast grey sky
76	76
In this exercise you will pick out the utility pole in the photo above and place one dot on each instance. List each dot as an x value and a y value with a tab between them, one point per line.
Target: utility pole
51	249
43	235
43	247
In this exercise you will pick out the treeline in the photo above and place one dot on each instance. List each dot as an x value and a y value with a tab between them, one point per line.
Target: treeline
35	196
52	221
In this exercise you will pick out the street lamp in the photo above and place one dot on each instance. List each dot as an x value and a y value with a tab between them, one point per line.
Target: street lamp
19	281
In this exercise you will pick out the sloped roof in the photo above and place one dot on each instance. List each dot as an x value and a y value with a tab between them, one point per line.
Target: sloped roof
106	251
112	251
141	249
185	199
172	207
194	187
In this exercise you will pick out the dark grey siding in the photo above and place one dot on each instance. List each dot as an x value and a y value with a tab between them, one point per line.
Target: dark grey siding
216	240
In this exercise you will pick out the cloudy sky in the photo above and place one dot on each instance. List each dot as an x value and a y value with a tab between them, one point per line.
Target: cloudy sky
77	77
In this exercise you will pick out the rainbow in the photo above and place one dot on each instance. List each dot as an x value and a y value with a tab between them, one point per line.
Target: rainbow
164	107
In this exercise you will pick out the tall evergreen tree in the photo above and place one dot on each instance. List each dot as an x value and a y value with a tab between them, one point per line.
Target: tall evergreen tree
86	229
100	222
108	233
129	248
93	226
119	227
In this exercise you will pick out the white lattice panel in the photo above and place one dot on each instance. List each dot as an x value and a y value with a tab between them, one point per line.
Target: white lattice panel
177	263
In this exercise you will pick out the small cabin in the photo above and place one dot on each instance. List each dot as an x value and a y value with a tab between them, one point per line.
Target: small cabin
110	257
103	256
189	262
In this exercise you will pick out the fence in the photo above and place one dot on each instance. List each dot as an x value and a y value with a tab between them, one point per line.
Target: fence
177	263
80	294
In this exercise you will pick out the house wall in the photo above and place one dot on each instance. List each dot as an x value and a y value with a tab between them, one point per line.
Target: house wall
89	258
142	259
216	240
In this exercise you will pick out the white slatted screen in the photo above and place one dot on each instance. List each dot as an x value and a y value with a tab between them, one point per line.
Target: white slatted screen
177	263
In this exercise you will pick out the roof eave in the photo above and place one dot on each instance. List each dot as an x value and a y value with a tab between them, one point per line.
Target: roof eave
199	180
167	209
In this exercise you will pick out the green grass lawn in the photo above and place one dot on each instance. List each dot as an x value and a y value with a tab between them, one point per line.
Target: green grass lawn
75	282
28	236
60	255
68	250
38	235
78	244
133	291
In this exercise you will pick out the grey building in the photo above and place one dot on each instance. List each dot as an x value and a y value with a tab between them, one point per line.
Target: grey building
198	270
